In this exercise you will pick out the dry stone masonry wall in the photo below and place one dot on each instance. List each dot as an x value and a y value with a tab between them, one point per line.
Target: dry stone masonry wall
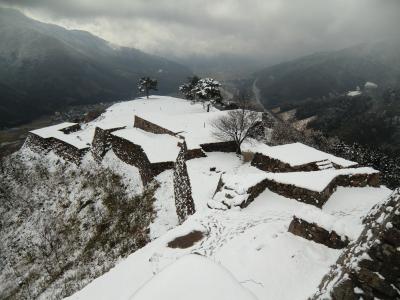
102	142
64	150
316	233
150	127
182	189
370	267
133	155
311	197
269	164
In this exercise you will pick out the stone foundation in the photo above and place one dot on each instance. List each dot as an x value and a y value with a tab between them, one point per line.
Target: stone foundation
311	197
133	155
369	268
219	147
316	233
269	164
182	189
102	141
194	153
62	149
150	127
71	129
158	168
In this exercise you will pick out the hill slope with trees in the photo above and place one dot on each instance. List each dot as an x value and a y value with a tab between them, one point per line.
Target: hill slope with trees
45	67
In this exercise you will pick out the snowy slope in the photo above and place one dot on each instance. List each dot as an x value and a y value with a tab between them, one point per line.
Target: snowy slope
243	253
253	244
208	280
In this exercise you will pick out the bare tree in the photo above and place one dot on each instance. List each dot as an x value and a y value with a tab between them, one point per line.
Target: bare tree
237	125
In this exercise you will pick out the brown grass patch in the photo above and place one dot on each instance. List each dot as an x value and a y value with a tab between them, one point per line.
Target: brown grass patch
247	156
186	241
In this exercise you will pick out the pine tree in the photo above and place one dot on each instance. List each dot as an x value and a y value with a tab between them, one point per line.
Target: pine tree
146	84
187	89
206	90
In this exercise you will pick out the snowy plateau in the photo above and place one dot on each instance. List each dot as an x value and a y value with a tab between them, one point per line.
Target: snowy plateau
233	242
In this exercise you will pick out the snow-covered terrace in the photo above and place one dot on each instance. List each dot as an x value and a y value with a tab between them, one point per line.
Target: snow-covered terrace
296	154
315	181
190	120
56	132
158	147
195	127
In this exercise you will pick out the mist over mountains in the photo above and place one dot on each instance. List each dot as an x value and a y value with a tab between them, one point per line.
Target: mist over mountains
321	74
45	67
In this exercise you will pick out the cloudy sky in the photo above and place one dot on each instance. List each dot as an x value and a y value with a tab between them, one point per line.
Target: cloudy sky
272	30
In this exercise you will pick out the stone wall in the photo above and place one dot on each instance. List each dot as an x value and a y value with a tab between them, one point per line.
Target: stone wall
316	233
194	153
62	149
37	144
133	155
270	164
157	168
101	143
150	127
71	129
311	197
219	147
369	268
182	189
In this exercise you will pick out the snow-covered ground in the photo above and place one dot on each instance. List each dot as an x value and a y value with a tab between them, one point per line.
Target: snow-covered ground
243	253
252	245
190	120
296	154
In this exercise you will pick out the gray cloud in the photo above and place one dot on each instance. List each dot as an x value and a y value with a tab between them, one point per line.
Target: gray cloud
268	29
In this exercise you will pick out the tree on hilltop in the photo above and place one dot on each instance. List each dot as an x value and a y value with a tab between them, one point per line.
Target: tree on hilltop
187	89
205	90
237	125
146	84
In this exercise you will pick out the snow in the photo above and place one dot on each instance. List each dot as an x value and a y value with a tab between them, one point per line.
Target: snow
190	120
54	132
354	93
208	280
370	85
48	131
351	205
164	206
203	181
252	244
194	126
244	253
295	154
158	147
130	174
315	180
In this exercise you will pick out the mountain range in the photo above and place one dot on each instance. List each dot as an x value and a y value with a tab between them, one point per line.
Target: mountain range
330	73
45	67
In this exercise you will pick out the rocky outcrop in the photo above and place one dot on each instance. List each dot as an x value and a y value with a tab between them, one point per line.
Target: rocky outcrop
150	127
182	189
370	267
314	232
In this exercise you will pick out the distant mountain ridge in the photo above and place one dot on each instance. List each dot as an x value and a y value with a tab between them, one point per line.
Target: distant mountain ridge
321	74
44	67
